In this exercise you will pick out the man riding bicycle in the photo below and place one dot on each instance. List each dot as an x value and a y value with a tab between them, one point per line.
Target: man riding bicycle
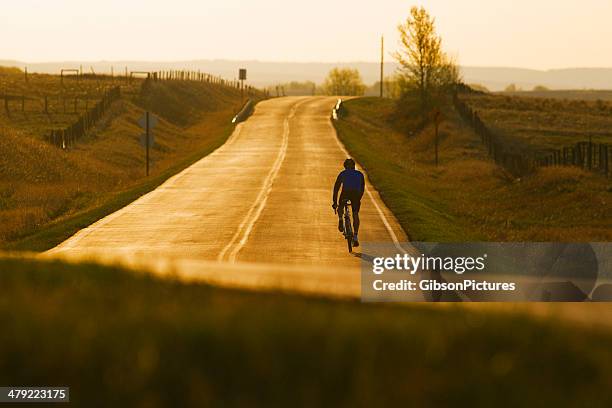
353	187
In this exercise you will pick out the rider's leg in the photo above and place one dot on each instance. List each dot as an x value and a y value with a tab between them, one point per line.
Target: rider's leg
341	213
356	206
356	222
355	228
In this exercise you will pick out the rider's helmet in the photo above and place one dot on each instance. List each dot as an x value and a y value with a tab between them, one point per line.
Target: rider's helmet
349	164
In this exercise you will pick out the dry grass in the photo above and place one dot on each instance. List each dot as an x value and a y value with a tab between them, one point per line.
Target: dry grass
467	197
40	183
27	99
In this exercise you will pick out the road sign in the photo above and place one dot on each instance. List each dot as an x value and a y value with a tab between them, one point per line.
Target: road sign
143	140
436	115
142	122
242	74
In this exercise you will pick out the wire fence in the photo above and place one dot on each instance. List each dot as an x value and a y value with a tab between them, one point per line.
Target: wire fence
185	75
66	137
88	95
587	155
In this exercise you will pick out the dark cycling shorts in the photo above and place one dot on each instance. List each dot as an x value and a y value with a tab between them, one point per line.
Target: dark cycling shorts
353	196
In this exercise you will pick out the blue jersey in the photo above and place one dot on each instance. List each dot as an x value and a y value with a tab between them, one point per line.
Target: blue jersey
353	186
351	180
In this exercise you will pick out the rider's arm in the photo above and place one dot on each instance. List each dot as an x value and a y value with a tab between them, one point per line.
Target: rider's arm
362	185
337	188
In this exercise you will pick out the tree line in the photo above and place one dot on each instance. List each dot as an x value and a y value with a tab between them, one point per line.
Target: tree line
426	71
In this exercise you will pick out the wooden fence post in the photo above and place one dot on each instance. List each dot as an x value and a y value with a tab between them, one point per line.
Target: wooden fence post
605	157
590	154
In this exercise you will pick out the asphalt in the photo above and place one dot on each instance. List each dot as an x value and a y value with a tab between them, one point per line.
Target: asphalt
254	213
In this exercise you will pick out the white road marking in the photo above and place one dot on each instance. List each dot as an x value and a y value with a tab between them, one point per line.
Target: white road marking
241	236
74	240
381	214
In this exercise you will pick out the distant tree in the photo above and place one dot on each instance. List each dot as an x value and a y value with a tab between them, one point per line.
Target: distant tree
479	87
343	82
540	88
511	88
425	68
391	88
296	88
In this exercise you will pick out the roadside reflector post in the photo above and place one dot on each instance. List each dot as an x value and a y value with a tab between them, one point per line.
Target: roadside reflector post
242	76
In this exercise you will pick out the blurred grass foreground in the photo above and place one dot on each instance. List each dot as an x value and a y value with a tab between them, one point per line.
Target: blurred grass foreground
120	338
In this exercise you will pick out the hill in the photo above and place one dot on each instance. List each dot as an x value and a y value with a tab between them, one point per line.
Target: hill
262	73
497	79
47	190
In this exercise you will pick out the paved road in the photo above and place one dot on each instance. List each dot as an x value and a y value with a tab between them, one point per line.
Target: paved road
259	207
256	213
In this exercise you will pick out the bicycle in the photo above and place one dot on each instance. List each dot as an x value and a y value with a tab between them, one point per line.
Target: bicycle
347	225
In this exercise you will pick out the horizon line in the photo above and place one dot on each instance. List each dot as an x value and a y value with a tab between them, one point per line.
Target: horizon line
179	61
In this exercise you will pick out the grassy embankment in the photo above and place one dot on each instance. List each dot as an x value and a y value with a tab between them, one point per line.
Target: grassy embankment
121	338
467	197
47	194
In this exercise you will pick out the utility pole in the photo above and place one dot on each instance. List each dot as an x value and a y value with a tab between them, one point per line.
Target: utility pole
147	140
382	60
147	122
437	116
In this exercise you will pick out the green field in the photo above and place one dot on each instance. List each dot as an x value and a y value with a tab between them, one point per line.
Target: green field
129	339
47	194
467	197
580	94
544	123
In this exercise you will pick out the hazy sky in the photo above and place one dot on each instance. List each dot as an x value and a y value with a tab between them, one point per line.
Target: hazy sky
525	33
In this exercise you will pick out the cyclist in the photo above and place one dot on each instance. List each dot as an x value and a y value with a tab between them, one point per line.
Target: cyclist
353	186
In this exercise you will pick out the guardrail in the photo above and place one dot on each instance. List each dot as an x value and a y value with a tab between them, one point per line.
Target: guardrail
338	109
245	112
